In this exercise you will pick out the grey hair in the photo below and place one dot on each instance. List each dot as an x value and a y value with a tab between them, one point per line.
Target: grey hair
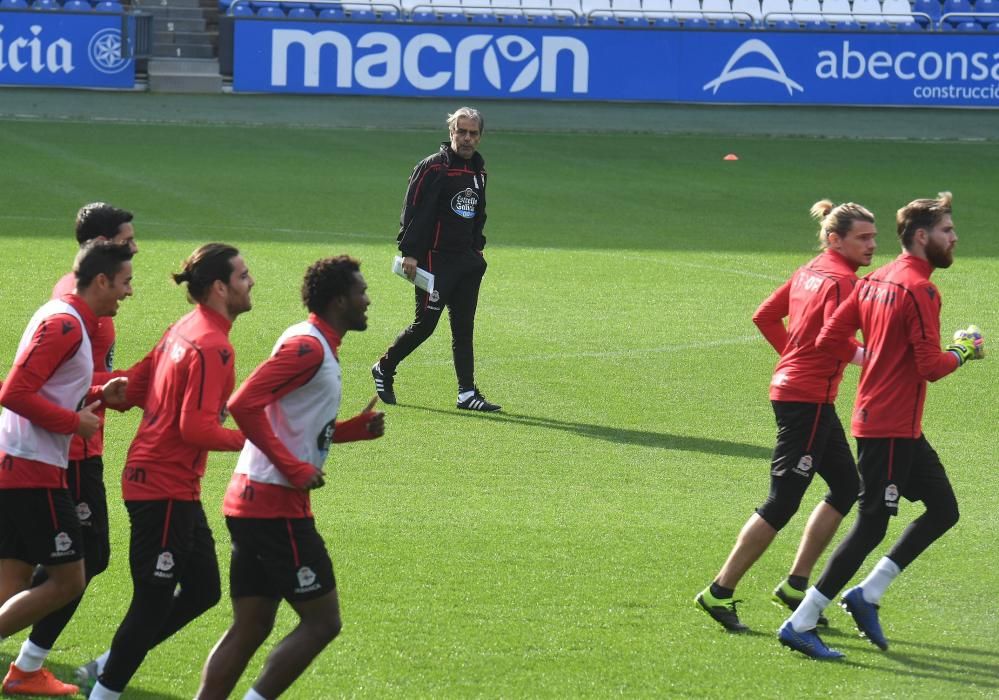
465	113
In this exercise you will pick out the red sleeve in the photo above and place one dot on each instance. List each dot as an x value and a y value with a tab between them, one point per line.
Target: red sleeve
355	428
210	376
923	323
769	317
56	340
834	298
837	337
292	366
140	376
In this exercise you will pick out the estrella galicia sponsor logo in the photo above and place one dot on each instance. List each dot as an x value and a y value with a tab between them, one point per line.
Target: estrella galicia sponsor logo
391	61
63	545
35	54
804	466
164	565
307	580
105	51
465	203
775	73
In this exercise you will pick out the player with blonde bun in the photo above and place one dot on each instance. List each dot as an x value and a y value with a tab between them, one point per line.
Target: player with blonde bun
810	437
897	308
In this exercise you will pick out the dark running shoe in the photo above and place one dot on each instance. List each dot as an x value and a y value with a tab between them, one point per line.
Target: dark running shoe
786	595
383	383
865	615
722	610
808	643
477	402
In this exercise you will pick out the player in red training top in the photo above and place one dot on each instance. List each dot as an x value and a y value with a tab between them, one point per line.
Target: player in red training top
898	310
182	385
85	474
287	408
47	398
810	437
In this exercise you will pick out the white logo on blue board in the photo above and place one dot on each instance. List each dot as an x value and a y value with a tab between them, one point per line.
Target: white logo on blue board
465	203
105	52
753	46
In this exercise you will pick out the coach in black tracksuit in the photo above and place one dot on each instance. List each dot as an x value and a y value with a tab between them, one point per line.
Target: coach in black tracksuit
441	232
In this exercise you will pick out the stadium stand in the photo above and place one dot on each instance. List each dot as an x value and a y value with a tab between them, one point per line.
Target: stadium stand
784	15
837	11
750	8
717	11
686	10
867	11
775	11
806	11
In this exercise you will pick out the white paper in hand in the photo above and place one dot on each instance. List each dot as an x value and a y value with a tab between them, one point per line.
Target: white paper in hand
424	280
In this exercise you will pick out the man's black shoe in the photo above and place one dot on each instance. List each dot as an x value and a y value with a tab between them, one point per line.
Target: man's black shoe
383	384
477	402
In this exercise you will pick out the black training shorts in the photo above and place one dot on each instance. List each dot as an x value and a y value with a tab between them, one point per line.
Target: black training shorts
894	468
279	558
169	539
39	526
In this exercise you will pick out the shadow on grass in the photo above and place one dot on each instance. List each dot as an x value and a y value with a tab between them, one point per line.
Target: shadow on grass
67	674
953	669
645	438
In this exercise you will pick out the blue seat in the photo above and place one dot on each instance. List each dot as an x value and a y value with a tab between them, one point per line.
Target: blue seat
604	20
241	10
876	26
271	12
787	25
635	21
908	27
926	7
726	25
423	17
77	6
484	18
454	18
987	7
960	11
695	23
360	16
13	4
301	13
45	5
388	16
517	20
969	26
544	20
666	22
820	26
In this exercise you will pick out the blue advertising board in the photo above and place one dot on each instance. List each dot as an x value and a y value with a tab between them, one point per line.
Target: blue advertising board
55	49
743	67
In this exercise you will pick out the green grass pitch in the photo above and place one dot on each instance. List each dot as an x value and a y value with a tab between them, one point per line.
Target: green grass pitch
554	549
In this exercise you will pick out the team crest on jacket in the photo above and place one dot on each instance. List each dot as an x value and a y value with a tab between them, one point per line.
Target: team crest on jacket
465	203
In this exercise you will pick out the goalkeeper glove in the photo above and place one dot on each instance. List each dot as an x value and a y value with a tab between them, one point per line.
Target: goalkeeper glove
968	344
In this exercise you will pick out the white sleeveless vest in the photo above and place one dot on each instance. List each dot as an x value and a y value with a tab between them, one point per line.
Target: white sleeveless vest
67	387
303	420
